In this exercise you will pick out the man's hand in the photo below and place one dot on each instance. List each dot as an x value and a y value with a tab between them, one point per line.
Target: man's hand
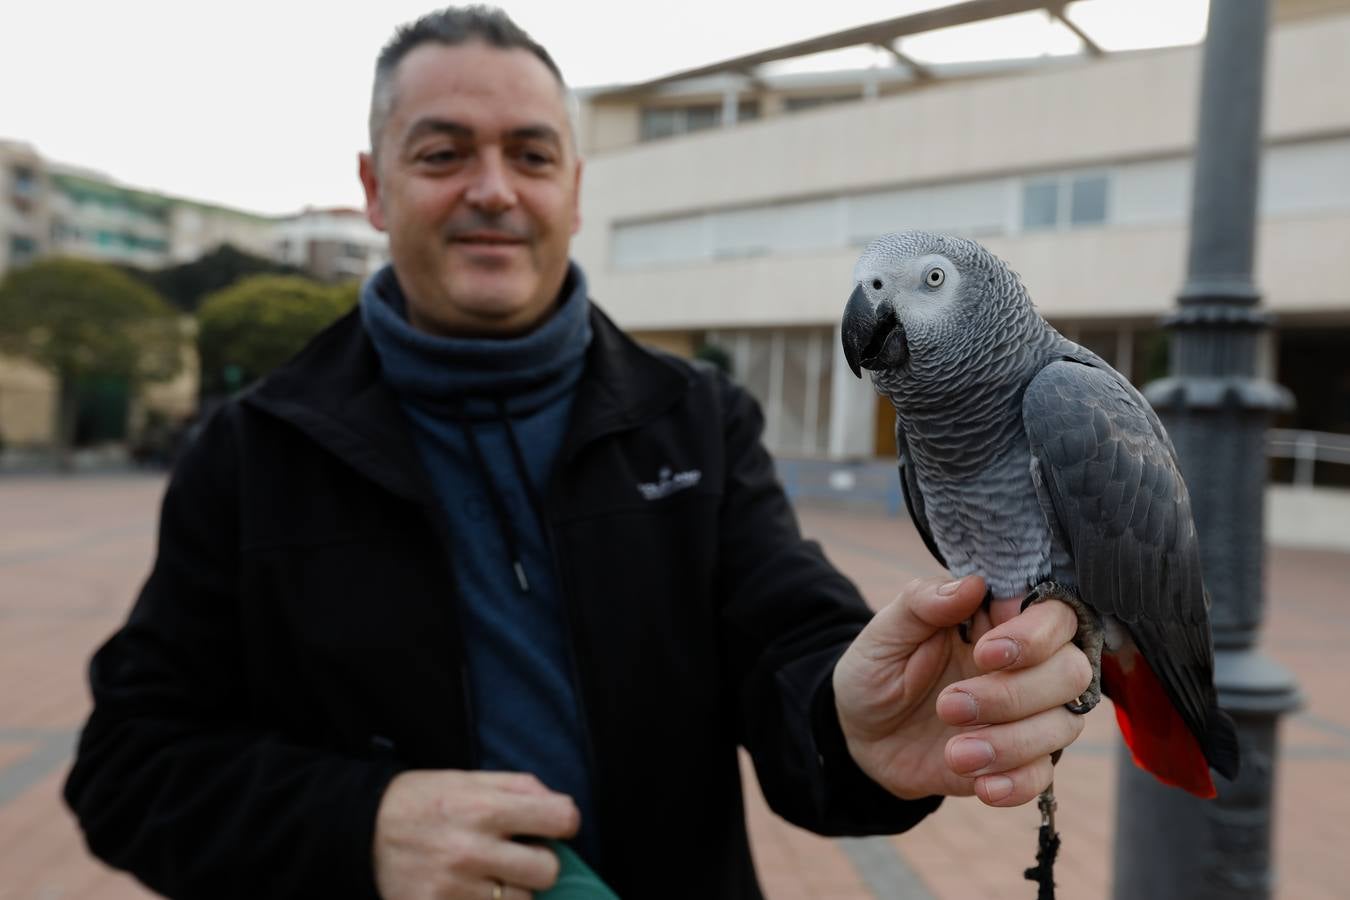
448	835
925	713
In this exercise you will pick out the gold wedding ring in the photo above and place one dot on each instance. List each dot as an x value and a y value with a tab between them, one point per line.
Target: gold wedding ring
497	887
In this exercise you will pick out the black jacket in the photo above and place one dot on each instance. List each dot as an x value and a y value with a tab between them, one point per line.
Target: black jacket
296	643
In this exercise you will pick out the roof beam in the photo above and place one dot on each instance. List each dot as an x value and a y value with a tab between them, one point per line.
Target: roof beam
752	79
884	32
1056	11
919	70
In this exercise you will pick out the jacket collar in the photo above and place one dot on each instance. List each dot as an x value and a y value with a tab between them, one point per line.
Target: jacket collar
333	391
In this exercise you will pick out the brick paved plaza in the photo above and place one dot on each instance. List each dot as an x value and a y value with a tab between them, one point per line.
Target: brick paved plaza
73	552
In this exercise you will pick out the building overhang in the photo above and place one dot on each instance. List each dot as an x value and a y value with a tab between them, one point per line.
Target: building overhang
883	34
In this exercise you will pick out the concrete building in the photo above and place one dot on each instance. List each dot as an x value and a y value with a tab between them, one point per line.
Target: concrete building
335	244
25	214
727	206
95	218
26	410
48	208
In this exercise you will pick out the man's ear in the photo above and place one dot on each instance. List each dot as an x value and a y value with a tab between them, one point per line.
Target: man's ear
576	199
370	180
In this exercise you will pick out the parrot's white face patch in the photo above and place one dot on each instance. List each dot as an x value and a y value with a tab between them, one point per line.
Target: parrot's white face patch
925	287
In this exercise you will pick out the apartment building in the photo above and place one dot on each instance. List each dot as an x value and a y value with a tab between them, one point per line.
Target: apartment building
48	208
333	244
25	214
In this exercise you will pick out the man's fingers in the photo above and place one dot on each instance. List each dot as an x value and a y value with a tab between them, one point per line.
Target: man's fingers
1015	787
549	815
515	782
522	867
1007	696
1027	639
526	866
1002	748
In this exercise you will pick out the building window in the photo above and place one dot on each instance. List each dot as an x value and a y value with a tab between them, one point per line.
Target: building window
667	121
25	181
701	118
1064	201
1040	205
63	233
22	250
789	371
797	104
661	123
1088	203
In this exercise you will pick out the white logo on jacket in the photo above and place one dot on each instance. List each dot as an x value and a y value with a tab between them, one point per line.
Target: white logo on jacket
668	482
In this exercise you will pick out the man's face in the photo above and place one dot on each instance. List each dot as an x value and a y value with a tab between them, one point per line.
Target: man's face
475	180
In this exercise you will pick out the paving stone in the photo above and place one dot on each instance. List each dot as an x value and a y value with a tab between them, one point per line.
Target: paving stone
73	552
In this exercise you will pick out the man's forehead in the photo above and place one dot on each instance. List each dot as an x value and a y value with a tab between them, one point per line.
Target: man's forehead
451	81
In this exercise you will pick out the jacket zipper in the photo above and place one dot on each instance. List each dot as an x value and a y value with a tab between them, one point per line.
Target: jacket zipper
457	626
572	622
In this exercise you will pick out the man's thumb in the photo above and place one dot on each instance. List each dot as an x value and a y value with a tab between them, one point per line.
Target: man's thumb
925	606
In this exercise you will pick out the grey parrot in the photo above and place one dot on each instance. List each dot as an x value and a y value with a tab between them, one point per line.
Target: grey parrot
1026	459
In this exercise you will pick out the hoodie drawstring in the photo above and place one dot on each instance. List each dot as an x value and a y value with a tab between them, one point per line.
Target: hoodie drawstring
498	503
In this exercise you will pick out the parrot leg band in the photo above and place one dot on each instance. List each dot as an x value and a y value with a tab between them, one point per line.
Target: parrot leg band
1090	638
963	628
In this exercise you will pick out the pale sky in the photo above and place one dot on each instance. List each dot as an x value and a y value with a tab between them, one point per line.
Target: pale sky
261	104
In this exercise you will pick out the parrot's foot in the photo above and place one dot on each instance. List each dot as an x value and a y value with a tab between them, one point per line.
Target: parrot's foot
963	628
1089	638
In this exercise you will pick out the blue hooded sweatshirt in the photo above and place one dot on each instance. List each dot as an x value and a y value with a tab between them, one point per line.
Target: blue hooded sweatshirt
488	417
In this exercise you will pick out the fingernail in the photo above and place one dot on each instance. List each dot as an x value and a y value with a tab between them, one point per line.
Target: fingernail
958	708
1005	651
971	755
950	588
996	787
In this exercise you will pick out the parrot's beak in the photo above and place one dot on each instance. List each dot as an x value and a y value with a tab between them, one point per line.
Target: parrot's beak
866	333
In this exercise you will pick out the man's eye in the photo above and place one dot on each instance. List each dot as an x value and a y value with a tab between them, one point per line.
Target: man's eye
536	158
438	157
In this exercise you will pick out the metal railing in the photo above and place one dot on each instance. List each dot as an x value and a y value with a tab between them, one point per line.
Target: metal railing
873	483
1307	449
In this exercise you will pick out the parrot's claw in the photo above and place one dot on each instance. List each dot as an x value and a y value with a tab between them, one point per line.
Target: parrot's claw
1089	638
963	628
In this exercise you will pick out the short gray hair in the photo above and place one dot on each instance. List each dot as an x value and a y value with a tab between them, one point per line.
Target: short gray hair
449	27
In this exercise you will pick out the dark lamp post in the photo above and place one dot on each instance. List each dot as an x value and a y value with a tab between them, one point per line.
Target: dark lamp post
1217	407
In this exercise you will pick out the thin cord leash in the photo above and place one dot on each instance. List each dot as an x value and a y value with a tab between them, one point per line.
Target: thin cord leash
1043	873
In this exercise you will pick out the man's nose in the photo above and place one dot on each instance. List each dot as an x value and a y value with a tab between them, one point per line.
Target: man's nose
491	188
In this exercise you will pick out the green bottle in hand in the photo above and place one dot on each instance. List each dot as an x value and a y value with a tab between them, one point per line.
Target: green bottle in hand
576	880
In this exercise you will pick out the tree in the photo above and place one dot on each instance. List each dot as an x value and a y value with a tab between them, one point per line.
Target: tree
84	321
247	330
187	284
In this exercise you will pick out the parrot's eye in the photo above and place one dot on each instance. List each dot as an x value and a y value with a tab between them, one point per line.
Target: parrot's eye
935	277
876	284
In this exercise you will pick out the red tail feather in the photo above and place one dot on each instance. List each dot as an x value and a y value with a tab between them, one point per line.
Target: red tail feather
1157	737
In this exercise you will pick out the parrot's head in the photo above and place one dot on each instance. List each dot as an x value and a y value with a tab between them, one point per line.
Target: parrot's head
918	298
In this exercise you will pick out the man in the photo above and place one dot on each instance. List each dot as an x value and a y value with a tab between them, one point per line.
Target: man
422	602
